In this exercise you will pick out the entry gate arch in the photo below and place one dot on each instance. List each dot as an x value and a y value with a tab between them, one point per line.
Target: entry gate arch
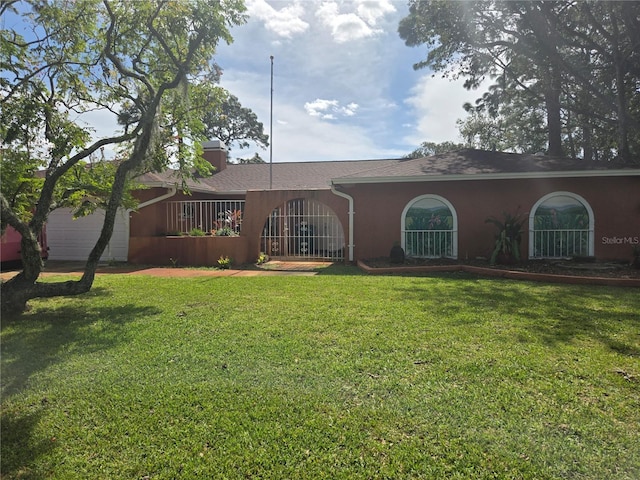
303	228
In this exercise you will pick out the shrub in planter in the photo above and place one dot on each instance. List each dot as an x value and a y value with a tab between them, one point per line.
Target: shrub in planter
396	255
507	247
196	232
226	232
225	262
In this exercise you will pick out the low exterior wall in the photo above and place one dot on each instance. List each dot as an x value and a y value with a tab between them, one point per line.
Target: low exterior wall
187	251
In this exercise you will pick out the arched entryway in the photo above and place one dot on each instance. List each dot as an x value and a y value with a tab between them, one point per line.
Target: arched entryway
303	229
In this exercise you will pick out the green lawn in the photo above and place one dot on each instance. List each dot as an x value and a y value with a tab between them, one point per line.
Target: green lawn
335	376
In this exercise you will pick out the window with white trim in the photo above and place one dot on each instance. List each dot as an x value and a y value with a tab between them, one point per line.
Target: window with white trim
430	228
561	226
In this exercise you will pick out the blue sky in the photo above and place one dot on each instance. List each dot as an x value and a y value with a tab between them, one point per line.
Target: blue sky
344	83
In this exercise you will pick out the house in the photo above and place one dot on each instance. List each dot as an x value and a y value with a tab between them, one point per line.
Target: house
350	210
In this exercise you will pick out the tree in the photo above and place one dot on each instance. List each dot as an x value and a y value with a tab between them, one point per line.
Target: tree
479	39
134	60
232	123
427	149
577	62
255	159
495	121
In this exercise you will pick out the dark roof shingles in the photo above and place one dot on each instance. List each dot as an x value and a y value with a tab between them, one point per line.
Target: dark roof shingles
318	175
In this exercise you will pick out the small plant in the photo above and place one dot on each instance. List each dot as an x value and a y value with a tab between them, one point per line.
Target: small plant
636	257
225	262
262	258
226	232
396	255
508	238
174	262
196	232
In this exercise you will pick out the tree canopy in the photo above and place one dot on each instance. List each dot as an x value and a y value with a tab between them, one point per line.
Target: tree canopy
139	62
232	123
427	149
567	72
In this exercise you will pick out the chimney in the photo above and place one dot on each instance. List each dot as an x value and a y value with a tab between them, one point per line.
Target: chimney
215	152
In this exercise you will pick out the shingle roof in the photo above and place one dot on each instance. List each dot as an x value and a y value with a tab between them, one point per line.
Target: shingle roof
481	164
285	176
469	164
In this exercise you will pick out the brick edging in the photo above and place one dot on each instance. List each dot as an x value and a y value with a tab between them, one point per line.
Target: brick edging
510	274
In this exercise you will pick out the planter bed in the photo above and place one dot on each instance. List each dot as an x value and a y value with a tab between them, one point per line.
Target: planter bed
617	274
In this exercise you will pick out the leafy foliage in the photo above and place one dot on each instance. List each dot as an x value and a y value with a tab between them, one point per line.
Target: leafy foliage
142	63
232	123
565	72
225	262
508	238
255	159
427	149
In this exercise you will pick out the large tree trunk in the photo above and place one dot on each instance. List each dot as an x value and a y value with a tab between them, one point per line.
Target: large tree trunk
624	151
16	292
587	143
554	119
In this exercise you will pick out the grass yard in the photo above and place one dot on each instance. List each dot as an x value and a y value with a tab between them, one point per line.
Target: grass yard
341	376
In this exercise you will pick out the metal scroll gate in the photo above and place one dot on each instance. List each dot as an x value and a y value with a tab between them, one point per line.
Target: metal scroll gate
303	229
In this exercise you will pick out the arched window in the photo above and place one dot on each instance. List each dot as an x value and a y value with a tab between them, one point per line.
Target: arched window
561	226
430	228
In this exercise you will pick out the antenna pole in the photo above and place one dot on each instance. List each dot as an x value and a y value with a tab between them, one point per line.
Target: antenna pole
271	131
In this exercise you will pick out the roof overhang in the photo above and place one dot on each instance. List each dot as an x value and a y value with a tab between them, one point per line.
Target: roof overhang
177	185
487	176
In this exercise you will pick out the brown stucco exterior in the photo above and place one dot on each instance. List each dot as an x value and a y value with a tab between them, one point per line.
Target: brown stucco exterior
378	208
149	243
615	202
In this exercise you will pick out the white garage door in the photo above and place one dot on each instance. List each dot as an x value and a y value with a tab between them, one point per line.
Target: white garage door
70	239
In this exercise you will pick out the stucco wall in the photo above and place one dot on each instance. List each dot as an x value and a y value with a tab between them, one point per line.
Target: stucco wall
615	202
148	243
378	208
260	204
187	251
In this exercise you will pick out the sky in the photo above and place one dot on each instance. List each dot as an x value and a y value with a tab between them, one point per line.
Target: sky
344	86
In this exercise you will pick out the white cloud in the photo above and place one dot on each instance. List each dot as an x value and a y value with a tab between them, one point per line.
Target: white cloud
436	103
300	136
286	22
344	26
329	109
309	138
371	11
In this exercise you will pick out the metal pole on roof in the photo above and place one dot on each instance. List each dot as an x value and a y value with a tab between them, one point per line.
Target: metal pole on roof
271	131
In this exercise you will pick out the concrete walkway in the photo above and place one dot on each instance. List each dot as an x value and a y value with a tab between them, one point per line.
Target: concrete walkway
272	268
